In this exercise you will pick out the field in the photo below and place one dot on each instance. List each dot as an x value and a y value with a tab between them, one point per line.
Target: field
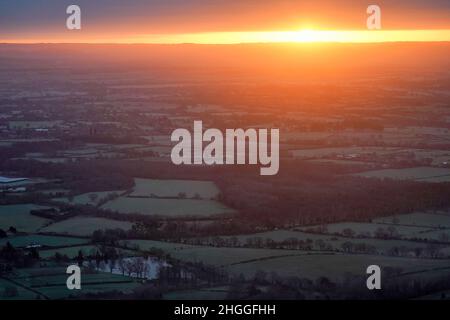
439	235
19	217
369	229
168	208
172	188
91	198
50	283
218	256
306	264
418	219
33	124
331	241
72	252
85	226
425	174
215	293
12	291
338	151
335	267
48	241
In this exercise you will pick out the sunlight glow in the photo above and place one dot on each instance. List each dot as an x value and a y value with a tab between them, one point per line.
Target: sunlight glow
301	36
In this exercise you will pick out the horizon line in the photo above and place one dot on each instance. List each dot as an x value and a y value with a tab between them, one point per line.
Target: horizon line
254	37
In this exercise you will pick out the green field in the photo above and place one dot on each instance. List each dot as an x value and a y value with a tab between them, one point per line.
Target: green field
17	293
336	242
368	229
172	188
439	235
307	264
91	198
418	219
169	208
216	293
335	267
50	241
50	282
212	255
19	216
72	252
425	174
85	226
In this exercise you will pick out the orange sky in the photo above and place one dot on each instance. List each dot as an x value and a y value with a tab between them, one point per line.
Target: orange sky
224	21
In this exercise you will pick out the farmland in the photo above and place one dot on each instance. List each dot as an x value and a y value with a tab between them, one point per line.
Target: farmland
50	283
91	198
19	217
336	266
167	208
418	219
42	240
284	238
84	226
364	171
369	229
215	293
221	256
72	252
173	188
423	174
287	263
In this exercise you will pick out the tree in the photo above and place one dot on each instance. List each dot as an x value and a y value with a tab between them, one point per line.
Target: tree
93	197
393	233
321	244
349	233
80	258
3	234
347	246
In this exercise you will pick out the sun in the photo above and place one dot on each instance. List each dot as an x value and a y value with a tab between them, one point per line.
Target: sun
307	35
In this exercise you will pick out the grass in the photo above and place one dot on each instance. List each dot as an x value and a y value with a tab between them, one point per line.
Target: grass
335	267
169	208
50	241
70	252
369	229
22	293
286	263
335	242
85	226
216	293
91	198
19	216
61	292
218	256
51	282
418	219
426	174
172	188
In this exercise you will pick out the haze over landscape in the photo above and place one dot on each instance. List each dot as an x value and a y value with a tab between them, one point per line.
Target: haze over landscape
87	177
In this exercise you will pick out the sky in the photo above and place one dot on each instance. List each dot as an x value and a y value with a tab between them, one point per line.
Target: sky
223	21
